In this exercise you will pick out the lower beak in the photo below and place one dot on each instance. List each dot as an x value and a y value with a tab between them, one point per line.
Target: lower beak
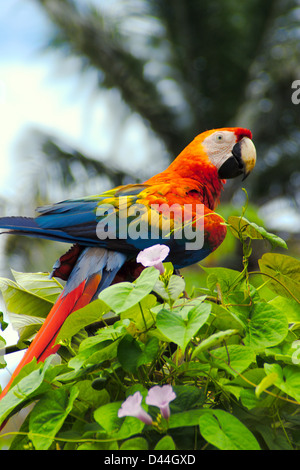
241	162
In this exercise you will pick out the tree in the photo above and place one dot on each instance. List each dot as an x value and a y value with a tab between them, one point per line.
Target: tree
184	67
221	62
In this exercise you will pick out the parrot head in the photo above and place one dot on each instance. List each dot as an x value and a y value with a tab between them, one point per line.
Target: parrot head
230	150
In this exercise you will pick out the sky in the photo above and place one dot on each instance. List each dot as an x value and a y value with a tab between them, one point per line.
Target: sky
22	70
43	89
19	70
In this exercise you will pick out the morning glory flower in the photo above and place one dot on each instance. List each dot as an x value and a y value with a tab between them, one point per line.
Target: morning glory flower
132	407
161	397
154	256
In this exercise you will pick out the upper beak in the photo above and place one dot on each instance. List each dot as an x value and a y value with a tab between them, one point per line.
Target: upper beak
241	162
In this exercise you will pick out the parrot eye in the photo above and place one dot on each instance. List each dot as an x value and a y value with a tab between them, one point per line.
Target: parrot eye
219	137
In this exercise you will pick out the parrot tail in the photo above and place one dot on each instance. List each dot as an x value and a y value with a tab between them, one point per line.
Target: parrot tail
29	227
94	270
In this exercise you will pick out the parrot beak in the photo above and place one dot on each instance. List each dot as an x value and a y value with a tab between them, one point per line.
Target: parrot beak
241	162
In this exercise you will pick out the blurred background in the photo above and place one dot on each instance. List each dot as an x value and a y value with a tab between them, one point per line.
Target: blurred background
97	93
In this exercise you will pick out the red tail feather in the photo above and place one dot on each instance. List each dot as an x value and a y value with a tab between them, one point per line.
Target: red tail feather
43	344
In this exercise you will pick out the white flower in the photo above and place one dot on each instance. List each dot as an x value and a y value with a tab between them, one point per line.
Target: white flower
161	397
132	407
154	256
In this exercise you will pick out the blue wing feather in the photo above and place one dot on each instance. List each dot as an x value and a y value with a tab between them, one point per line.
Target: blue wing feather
75	221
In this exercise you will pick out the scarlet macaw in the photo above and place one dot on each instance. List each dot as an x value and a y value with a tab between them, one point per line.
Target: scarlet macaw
195	178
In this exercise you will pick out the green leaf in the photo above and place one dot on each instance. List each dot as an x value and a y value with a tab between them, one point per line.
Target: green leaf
24	387
48	416
140	314
234	358
112	332
266	327
226	432
179	327
137	443
224	277
129	352
79	319
99	446
172	291
132	353
274	441
185	418
99	348
265	383
225	319
95	355
21	301
3	324
88	394
240	383
107	416
288	379
29	301
117	428
287	352
249	399
289	306
165	443
26	327
129	427
187	397
21	441
285	271
149	353
241	226
2	360
39	284
124	295
213	340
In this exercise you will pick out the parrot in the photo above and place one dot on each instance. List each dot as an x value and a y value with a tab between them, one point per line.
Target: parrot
107	231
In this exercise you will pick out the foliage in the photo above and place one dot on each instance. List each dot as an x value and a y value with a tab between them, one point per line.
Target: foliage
174	69
189	66
230	354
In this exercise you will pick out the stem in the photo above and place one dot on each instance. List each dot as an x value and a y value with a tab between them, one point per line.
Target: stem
59	439
10	349
263	284
283	428
196	436
219	291
143	316
207	381
118	380
289	400
276	280
246	204
140	377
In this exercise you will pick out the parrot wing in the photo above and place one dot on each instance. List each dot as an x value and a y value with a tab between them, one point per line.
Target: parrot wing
126	219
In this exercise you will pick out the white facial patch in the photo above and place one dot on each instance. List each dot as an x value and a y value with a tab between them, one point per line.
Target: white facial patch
218	146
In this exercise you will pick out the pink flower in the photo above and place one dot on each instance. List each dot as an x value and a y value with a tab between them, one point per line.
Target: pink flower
161	397
154	256
132	407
